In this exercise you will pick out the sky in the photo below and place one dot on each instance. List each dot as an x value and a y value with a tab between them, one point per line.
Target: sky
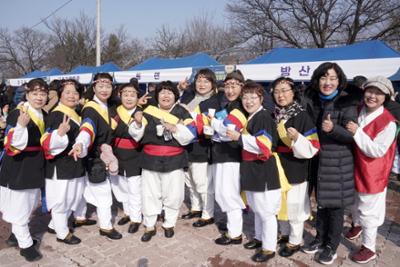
141	19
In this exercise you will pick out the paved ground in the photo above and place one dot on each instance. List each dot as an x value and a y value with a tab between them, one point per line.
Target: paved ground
189	247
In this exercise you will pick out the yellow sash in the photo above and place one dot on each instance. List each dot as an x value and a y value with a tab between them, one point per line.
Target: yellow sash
283	134
36	120
161	114
69	112
285	187
244	197
103	113
124	115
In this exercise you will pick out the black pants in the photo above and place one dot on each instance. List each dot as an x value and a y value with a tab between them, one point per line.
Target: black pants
330	226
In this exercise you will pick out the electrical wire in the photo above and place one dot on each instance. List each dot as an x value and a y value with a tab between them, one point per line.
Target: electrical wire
52	13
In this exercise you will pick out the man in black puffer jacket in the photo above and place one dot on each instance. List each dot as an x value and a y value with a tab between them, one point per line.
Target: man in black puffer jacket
331	108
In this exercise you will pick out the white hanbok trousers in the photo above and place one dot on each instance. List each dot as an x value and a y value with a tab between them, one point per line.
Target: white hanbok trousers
369	212
63	197
16	207
81	208
201	187
128	191
79	212
227	194
162	190
298	209
100	195
265	206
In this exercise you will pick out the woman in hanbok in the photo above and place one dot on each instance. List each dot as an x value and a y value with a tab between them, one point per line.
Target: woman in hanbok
23	167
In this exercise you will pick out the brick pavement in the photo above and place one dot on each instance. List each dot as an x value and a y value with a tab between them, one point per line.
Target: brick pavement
189	247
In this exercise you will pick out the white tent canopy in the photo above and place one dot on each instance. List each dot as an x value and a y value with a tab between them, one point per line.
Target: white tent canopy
302	71
368	58
146	76
83	78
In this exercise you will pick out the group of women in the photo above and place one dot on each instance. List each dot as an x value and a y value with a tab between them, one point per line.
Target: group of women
217	143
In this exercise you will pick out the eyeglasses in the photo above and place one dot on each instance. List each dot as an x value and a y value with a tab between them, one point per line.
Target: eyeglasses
328	78
276	93
232	84
250	98
374	92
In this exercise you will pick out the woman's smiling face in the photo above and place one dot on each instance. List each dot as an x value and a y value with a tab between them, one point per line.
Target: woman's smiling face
329	82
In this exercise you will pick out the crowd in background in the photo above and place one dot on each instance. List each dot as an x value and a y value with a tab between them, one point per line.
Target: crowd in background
235	143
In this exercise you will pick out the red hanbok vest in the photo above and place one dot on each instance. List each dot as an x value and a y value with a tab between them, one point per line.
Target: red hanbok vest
371	175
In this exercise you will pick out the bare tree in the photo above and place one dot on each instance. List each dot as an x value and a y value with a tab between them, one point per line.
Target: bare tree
313	23
168	42
198	35
23	51
120	49
73	42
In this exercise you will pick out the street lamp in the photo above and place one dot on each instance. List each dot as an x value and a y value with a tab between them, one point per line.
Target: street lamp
98	48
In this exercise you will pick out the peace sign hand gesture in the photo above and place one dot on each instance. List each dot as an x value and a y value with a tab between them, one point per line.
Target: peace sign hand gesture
23	118
144	99
64	127
76	151
184	84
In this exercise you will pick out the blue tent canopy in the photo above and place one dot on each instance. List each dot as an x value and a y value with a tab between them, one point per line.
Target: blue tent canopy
34	74
396	76
54	71
40	74
108	67
82	69
361	50
195	60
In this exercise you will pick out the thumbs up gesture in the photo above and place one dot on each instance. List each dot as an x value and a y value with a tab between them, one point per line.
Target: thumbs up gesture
327	124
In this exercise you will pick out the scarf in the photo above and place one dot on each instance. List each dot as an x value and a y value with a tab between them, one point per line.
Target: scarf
328	97
198	99
285	113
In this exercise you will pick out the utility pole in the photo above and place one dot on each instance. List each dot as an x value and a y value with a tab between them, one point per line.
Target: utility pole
98	48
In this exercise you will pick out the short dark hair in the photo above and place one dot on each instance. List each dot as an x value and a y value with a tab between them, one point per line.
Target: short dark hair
38	82
54	85
102	75
209	75
124	85
167	85
63	83
322	70
253	87
134	81
236	74
359	81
